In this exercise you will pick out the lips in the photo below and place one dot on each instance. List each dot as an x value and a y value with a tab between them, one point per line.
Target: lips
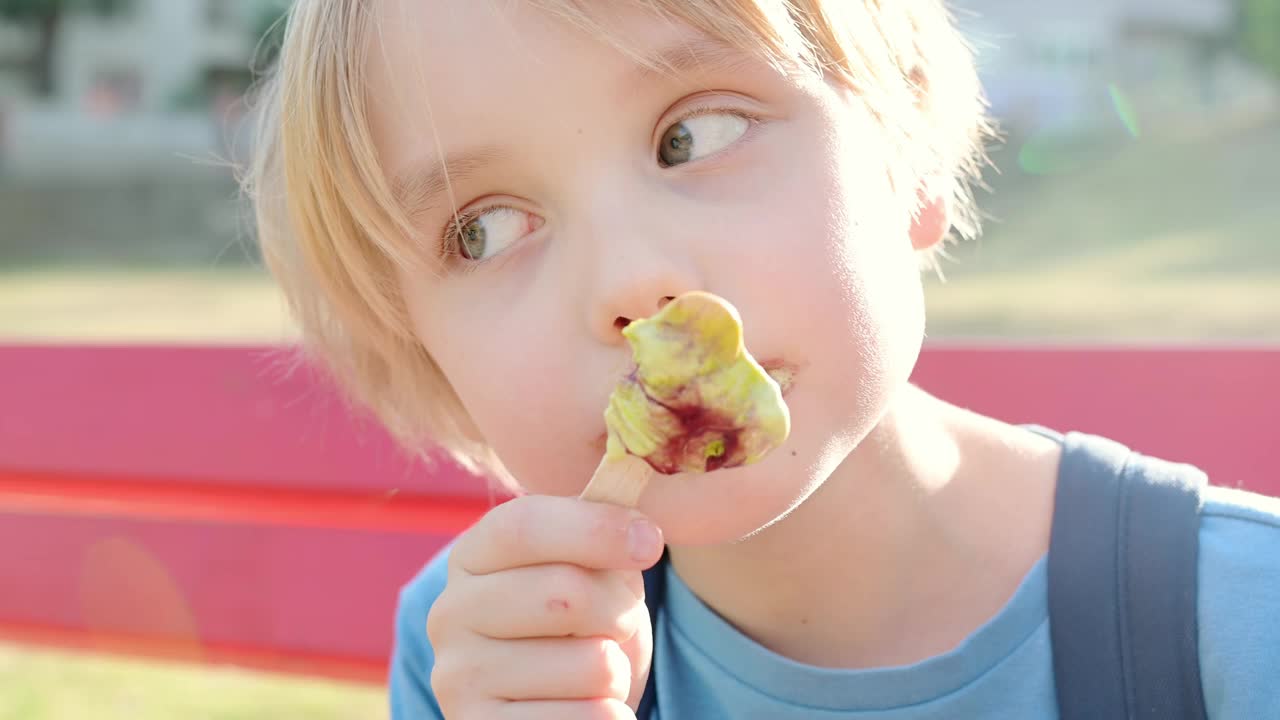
782	373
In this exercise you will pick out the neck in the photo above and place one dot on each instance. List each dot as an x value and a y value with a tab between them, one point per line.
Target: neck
919	537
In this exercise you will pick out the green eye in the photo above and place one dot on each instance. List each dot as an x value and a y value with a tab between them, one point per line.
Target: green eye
473	240
482	234
677	145
701	135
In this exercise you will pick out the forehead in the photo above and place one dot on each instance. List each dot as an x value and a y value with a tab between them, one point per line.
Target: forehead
462	72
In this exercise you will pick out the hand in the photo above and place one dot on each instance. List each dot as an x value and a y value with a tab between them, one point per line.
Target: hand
543	614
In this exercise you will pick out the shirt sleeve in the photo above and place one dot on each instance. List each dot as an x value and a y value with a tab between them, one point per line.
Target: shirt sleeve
1239	603
409	681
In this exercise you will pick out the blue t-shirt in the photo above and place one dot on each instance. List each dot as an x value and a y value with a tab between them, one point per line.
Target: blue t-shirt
710	671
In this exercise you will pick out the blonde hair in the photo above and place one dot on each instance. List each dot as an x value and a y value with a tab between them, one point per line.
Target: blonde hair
333	235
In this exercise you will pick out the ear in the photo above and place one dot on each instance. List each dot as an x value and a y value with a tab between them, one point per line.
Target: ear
932	221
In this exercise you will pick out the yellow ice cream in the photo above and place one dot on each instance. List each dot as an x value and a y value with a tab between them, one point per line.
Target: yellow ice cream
697	401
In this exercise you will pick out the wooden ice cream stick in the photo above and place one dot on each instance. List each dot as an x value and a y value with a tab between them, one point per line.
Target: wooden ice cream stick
619	481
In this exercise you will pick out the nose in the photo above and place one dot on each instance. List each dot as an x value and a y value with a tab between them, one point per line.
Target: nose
632	288
621	321
637	251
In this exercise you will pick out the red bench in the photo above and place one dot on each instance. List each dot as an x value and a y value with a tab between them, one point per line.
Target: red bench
200	503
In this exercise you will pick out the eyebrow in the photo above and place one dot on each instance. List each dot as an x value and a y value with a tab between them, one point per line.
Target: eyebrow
418	189
702	54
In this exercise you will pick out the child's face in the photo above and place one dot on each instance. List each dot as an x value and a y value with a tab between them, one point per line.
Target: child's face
582	211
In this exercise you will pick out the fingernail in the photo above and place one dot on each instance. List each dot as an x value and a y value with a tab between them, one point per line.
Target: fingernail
644	540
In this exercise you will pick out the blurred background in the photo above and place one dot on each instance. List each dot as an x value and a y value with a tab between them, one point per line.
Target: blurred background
1136	199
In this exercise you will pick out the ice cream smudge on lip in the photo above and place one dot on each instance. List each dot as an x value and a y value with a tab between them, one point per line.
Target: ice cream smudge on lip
696	401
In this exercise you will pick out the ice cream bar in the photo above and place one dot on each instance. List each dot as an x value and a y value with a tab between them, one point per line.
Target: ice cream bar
695	402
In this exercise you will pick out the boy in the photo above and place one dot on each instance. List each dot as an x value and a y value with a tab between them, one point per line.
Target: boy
466	202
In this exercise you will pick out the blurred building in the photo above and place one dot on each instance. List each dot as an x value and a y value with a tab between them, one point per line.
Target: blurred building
160	80
152	56
14	50
1066	66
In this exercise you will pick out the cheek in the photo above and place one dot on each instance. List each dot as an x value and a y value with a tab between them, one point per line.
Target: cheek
870	232
880	284
843	277
836	238
512	373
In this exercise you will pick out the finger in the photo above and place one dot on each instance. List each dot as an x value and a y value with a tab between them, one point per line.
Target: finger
488	605
534	669
551	601
639	649
540	529
599	709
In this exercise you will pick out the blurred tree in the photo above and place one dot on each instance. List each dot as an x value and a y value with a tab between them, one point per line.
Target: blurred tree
1260	33
46	17
268	32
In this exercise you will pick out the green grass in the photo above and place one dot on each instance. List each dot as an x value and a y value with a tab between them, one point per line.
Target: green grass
73	304
1161	240
55	685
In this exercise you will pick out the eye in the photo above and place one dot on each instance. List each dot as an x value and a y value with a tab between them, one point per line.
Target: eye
483	234
700	135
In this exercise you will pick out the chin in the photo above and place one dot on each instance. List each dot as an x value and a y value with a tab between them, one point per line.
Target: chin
726	506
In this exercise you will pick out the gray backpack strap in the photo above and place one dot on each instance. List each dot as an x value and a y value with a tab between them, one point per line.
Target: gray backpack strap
1122	585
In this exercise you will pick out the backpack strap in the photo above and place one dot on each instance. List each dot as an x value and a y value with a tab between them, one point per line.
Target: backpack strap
1122	584
655	587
